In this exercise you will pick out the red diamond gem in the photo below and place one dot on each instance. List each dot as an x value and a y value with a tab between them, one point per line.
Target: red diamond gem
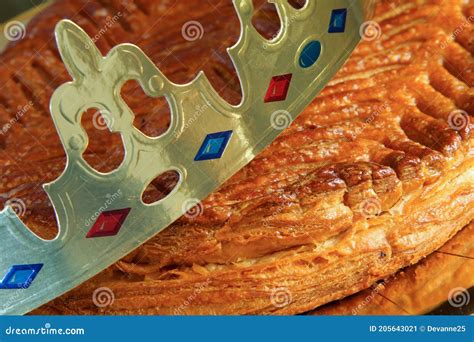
278	88
108	223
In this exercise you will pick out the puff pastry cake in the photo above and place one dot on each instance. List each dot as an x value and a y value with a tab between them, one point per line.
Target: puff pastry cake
444	275
376	174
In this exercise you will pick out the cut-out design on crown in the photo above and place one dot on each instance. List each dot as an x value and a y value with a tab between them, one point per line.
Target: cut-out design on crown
102	216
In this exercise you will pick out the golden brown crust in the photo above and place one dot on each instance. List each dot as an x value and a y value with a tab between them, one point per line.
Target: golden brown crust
369	179
418	289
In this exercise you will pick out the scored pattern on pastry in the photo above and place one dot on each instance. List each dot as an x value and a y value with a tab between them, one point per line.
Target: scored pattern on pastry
20	276
108	223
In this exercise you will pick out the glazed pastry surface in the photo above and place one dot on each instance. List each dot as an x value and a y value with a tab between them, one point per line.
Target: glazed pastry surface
420	289
373	176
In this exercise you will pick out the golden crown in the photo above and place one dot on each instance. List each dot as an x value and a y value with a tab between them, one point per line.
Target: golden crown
278	78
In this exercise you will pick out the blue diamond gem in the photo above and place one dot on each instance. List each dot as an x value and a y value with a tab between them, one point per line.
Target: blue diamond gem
20	276
338	21
213	146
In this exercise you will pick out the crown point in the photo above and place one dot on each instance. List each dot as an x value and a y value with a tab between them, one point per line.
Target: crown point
244	7
63	25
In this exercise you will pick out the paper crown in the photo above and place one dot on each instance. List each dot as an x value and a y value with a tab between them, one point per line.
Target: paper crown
278	77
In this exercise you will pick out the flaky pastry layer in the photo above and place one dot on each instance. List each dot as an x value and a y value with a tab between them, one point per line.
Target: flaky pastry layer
372	177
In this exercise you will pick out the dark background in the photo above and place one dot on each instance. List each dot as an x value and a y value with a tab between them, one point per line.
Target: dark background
11	8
